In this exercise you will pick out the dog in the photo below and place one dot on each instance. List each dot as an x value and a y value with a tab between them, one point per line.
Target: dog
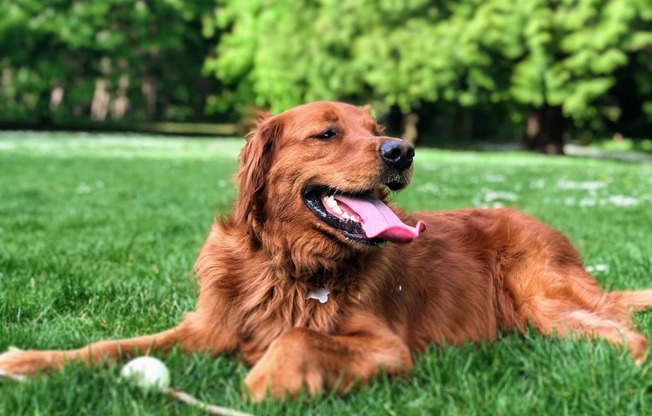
318	282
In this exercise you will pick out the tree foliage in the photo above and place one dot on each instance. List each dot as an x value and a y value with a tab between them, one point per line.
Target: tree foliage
537	66
525	55
65	59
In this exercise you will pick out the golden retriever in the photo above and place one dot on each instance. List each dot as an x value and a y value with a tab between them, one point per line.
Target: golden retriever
317	281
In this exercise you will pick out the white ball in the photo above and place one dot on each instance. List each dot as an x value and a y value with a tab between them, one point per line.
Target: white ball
146	372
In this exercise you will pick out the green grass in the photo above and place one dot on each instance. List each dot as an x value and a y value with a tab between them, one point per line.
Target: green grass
98	235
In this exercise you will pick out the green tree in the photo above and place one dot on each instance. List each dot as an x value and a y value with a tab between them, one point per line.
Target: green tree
545	61
573	50
64	60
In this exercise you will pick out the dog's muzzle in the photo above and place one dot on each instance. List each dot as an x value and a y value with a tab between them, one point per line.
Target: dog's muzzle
397	157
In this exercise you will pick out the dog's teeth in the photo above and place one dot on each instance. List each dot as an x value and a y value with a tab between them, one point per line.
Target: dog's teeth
334	207
331	202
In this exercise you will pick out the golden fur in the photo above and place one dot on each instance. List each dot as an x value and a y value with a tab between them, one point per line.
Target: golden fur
470	274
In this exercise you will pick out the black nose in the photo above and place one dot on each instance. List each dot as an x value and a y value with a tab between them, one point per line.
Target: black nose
397	153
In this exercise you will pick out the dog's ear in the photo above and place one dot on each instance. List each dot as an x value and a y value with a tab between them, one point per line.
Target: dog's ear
255	162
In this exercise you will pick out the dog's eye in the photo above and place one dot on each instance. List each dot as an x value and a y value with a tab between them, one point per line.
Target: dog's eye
326	135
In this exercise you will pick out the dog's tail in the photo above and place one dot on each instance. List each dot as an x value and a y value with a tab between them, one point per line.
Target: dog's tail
638	300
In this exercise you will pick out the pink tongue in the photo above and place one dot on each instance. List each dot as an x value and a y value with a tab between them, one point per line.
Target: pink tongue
380	221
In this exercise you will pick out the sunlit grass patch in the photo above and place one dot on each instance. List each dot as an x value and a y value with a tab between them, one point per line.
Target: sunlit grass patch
113	145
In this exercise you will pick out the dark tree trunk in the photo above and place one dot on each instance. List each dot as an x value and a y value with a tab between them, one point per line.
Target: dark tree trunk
544	131
399	124
630	99
393	121
410	128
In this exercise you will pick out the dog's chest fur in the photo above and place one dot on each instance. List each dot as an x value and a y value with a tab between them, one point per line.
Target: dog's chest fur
265	301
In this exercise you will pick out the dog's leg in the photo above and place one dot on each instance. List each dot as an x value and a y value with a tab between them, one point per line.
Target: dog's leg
33	361
565	300
634	300
567	319
304	358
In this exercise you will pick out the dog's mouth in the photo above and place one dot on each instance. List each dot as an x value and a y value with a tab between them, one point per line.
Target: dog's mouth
360	217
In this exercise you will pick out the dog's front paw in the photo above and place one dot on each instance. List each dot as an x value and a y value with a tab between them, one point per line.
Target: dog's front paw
16	361
282	373
281	382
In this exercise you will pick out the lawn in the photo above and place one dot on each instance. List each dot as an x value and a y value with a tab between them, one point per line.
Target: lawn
98	235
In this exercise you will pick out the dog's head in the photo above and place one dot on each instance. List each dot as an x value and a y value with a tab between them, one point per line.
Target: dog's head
323	170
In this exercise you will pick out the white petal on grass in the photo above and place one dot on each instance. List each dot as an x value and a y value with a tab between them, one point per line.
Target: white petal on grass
493	178
494	199
537	183
588	202
586	185
570	201
491	196
598	268
623	201
83	188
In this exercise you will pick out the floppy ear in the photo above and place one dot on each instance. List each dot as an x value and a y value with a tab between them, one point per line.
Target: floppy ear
255	162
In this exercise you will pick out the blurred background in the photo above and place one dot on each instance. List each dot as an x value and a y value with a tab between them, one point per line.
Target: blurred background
531	73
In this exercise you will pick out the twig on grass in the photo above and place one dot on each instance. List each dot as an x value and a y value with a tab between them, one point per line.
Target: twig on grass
212	409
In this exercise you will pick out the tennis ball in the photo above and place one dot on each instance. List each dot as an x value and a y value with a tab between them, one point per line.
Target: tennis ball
147	373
